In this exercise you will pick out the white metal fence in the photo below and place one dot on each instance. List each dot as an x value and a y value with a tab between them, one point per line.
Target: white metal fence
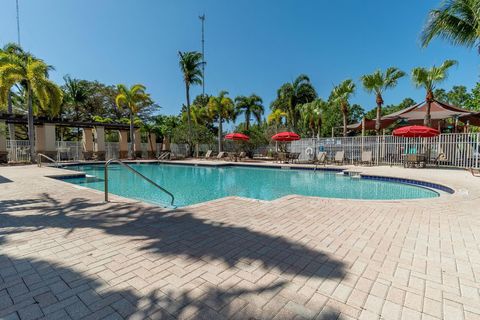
69	150
461	150
18	150
452	150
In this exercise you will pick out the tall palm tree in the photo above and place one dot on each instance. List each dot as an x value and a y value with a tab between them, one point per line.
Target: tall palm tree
276	117
377	83
457	21
340	96
134	99
222	107
291	95
31	73
312	113
428	79
191	65
251	105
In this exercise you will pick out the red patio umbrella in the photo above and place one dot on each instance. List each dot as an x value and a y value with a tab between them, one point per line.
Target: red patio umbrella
416	132
286	136
237	137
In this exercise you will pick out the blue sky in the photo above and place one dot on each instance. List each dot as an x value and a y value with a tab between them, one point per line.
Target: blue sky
251	45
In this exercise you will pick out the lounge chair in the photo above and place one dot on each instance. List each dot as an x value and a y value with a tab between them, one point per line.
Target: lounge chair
242	155
321	158
282	157
294	156
339	157
366	158
220	155
208	154
474	172
232	156
163	156
440	158
177	156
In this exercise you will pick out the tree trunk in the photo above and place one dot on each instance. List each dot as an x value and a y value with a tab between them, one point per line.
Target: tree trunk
428	118
319	128
132	136
11	126
189	120
379	113
345	116
31	128
151	142
220	120
247	119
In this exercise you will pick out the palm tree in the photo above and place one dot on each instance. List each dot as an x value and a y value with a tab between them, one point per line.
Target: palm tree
191	66
11	48
251	105
199	115
457	21
75	94
312	113
428	79
134	99
340	96
223	108
377	83
291	95
31	73
276	117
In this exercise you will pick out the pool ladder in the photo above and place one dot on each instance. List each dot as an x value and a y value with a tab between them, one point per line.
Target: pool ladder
172	197
41	155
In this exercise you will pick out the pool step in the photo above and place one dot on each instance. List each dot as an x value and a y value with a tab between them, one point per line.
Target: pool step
352	174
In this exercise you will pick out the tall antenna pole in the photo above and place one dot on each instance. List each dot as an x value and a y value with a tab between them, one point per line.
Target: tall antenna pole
18	25
202	18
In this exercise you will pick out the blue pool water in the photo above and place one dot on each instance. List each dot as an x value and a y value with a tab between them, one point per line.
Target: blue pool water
194	184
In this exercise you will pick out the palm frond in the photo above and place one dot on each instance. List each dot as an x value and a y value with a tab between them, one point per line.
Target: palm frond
456	21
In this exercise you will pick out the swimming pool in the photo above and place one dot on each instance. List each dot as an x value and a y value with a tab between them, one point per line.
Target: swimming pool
195	184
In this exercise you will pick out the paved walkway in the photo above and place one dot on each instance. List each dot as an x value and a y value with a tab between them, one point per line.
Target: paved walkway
64	254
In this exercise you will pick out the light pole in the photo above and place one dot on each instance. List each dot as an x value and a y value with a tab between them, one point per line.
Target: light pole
202	18
18	24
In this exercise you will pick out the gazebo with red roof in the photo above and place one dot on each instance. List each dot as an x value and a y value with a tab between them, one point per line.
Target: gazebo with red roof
414	115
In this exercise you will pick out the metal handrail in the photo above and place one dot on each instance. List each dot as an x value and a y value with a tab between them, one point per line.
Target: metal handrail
135	172
41	155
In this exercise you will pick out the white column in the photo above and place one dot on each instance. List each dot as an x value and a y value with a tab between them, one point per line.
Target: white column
100	142
87	141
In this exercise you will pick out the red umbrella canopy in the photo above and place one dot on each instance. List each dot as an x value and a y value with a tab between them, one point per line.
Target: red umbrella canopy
286	136
237	136
416	132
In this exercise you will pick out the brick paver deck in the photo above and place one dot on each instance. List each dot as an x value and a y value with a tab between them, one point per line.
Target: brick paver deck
66	255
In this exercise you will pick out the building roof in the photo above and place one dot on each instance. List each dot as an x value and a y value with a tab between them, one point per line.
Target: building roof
416	113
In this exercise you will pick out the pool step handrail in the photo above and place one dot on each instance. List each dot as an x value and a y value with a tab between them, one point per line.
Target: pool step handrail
41	155
138	174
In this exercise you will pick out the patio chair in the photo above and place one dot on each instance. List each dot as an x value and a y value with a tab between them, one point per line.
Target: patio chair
321	158
339	157
366	158
220	155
